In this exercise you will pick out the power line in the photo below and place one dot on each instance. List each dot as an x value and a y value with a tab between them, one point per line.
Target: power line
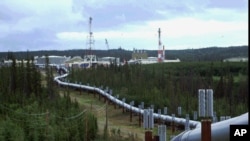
72	117
22	113
43	114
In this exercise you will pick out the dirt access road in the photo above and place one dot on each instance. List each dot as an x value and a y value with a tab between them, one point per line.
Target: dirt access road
117	120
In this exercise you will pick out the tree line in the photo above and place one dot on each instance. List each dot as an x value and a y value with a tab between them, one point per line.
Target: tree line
202	54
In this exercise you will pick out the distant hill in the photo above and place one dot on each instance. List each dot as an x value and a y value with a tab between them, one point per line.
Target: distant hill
202	54
208	54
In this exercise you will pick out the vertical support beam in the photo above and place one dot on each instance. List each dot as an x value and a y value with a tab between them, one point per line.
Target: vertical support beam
187	123
68	87
80	89
173	127
159	116
139	119
123	103
206	130
173	124
139	114
156	138
104	99
148	136
130	114
151	118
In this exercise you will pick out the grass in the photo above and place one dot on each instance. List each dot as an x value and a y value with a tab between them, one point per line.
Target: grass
119	125
117	120
236	78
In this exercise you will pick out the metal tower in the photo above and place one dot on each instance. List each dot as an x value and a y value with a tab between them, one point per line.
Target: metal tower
90	40
90	44
160	52
159	36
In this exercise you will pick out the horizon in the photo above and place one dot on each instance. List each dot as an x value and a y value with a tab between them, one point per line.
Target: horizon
126	49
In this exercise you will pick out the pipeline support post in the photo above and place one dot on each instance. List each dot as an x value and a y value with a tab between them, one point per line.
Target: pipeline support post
206	130
148	135
139	119
130	115
205	112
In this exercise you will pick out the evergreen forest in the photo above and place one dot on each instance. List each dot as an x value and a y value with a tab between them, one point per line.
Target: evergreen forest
31	108
174	85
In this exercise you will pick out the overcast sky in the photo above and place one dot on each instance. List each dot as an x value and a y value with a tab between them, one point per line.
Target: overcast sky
64	24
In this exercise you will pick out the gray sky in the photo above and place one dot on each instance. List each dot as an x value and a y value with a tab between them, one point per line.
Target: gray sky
64	24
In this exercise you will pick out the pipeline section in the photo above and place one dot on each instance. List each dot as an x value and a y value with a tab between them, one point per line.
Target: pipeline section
166	118
219	130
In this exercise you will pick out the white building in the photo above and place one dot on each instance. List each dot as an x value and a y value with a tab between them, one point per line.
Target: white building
236	59
53	60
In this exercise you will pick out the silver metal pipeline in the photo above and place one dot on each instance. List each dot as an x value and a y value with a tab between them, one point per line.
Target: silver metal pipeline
166	118
219	130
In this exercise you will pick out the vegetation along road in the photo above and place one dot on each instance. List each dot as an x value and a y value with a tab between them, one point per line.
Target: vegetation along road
119	125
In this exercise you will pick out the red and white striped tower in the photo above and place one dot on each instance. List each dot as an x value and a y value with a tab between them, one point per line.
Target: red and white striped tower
160	53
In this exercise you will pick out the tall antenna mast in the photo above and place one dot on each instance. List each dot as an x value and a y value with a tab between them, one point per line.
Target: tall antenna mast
159	46
90	43
159	36
91	38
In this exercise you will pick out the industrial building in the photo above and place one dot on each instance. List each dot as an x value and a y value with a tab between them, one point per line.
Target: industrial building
141	57
236	59
53	60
